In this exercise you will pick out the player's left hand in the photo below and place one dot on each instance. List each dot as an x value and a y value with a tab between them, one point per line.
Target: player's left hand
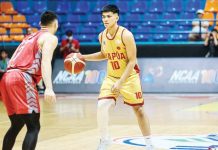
49	96
116	87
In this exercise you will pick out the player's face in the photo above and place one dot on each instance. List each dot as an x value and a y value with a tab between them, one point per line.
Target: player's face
200	16
109	19
4	55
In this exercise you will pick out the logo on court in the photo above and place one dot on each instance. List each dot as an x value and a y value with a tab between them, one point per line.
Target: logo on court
200	142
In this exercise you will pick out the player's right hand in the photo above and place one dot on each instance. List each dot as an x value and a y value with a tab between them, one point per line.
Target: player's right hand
49	96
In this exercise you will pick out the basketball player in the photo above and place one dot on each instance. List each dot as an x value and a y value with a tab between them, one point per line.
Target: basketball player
119	48
31	59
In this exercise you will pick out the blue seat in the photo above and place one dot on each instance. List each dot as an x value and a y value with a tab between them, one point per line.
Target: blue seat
161	37
139	7
186	23
157	6
169	17
88	30
99	6
174	6
187	19
92	24
123	6
33	20
142	37
73	18
69	25
94	20
188	15
63	7
82	7
24	7
75	29
182	28
133	18
61	18
100	29
149	19
179	37
142	30
160	28
39	6
192	5
87	38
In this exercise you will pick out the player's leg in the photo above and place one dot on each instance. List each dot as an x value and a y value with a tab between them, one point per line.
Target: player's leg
142	120
24	99
132	93
143	123
103	109
104	106
10	137
33	126
16	122
105	103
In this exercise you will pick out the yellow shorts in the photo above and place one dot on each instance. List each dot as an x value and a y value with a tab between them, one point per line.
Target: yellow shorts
131	90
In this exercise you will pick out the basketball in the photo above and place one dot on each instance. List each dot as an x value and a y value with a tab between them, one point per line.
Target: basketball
74	63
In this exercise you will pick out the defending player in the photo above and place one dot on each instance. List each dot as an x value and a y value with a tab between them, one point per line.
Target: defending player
30	62
119	48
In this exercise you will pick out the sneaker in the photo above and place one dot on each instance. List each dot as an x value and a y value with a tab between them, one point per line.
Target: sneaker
104	144
149	147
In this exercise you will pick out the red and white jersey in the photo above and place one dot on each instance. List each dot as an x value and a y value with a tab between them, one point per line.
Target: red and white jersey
27	56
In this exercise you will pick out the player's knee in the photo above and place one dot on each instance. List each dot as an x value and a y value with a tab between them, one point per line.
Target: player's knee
35	128
104	105
139	112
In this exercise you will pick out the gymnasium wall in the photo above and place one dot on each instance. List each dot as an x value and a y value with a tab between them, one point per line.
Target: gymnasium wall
162	75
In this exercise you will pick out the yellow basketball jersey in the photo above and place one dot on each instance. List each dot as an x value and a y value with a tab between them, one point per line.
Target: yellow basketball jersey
115	51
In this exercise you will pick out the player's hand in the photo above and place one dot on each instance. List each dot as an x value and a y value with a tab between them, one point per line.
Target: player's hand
49	96
116	87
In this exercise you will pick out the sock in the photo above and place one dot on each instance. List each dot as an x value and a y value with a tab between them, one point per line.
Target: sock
148	141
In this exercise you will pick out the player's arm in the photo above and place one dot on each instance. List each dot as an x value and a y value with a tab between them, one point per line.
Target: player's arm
215	38
48	46
63	46
207	39
95	56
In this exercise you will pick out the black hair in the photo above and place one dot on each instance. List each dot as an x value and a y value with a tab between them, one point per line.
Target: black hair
110	8
47	18
3	51
69	33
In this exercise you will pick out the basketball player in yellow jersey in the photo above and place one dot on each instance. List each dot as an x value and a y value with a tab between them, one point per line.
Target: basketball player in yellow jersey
119	48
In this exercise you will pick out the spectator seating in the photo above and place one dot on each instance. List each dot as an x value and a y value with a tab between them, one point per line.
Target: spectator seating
192	6
209	16
5	38
7	8
211	6
24	8
149	20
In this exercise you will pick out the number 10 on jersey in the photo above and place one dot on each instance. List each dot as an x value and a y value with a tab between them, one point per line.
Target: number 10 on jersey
115	65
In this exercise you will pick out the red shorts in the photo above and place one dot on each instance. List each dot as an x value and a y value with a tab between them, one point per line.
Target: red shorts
19	93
